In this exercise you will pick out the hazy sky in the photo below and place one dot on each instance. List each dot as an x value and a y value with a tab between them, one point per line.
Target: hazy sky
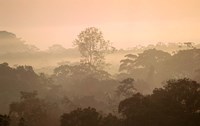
124	22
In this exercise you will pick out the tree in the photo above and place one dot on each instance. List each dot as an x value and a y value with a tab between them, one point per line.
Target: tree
22	122
88	117
32	109
79	72
16	79
126	89
176	104
92	46
81	117
148	66
134	110
143	61
110	120
184	92
4	120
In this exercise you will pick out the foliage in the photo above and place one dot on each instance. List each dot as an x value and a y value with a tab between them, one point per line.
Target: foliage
155	66
84	84
178	103
88	117
32	109
81	81
81	117
80	71
92	46
143	60
110	120
4	120
126	89
19	78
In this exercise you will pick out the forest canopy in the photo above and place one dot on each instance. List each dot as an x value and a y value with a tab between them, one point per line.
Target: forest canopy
95	84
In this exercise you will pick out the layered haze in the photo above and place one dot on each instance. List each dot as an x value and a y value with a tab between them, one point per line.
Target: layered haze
126	23
99	62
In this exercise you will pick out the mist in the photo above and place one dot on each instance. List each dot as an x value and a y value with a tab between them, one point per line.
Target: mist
99	63
62	80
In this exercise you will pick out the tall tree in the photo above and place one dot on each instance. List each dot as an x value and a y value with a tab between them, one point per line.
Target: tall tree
92	46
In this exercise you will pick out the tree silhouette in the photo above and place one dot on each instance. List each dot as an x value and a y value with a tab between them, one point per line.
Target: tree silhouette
4	120
176	104
110	120
81	117
30	109
92	46
16	79
126	89
22	122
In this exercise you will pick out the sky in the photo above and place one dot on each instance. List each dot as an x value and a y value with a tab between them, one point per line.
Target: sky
125	23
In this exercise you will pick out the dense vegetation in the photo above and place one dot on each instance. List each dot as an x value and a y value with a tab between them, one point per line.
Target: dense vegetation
177	103
152	88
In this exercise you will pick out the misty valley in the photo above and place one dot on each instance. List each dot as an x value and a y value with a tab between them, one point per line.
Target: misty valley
96	84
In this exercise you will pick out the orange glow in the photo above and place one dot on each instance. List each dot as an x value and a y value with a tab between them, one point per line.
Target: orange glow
124	22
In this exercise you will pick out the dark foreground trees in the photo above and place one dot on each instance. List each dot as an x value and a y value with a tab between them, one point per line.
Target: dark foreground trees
16	79
30	111
81	117
88	117
176	104
4	120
